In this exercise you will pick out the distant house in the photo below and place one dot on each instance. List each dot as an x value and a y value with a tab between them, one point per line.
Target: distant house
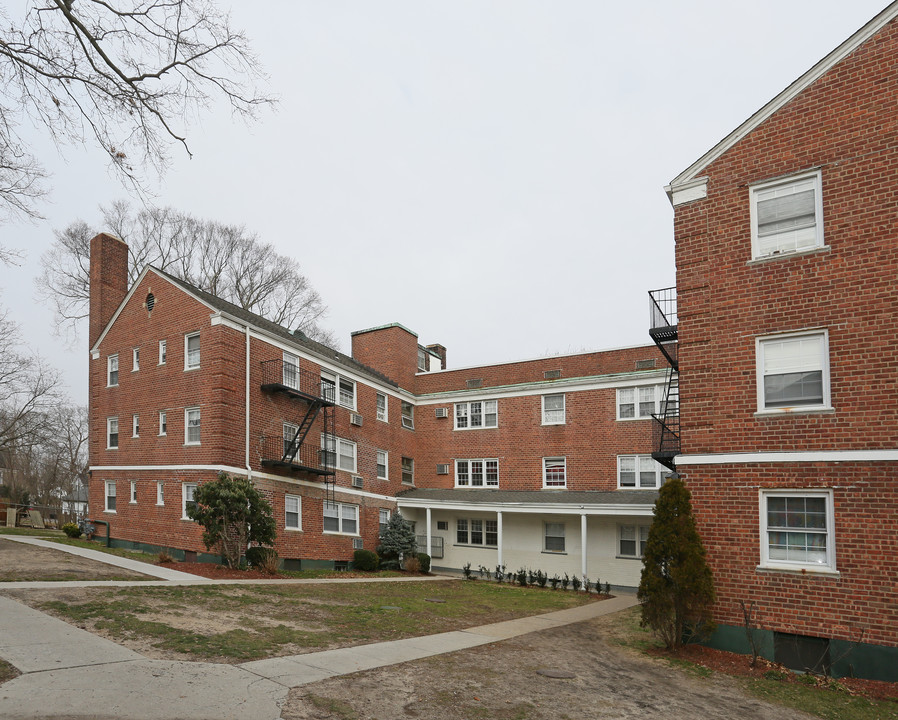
75	503
781	335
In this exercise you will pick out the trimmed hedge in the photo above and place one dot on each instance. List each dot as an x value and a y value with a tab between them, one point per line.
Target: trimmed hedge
365	560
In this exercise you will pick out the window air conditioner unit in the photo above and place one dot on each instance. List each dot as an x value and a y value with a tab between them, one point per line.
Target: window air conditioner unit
358	544
357	481
443	469
442	412
355	419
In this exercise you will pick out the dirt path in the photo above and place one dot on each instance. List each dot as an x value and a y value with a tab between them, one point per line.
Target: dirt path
19	562
502	682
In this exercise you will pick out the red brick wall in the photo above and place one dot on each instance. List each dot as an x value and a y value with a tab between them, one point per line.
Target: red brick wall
860	604
390	350
108	281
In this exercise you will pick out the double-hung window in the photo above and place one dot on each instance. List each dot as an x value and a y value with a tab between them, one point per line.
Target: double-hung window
162	352
341	518
476	414
381	407
291	371
553	409
554	472
339	453
631	540
793	372
338	389
188	498
408	471
135	425
112	371
382	465
111	433
786	216
476	531
290	430
133	500
192	426
554	537
477	473
135	359
160	492
383	521
639	471
408	415
163	423
191	351
638	402
110	496
797	530
293	512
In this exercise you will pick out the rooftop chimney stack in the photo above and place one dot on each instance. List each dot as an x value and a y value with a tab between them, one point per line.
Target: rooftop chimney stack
108	281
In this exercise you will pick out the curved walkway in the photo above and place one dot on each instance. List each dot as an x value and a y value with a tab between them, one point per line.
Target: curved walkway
71	673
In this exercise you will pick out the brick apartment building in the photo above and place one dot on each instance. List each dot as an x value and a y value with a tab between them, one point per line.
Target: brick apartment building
544	463
783	331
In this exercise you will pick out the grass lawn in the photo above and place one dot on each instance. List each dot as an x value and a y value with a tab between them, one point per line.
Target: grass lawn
7	671
49	534
238	623
101	547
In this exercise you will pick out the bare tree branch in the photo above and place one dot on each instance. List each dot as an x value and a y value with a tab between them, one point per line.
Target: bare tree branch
225	260
128	75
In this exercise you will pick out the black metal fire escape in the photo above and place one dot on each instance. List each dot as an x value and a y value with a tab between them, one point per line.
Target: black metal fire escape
293	452
663	331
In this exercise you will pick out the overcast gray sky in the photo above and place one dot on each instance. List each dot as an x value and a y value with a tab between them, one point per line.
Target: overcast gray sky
489	174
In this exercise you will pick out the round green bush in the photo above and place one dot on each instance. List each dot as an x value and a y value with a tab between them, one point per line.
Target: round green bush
72	530
365	560
262	558
424	560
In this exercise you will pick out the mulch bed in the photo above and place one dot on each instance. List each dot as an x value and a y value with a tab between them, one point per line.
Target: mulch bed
735	664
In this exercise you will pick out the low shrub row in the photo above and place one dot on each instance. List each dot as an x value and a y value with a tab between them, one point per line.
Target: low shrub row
526	577
370	561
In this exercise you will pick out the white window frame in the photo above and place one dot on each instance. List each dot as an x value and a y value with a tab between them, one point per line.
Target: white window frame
290	430
462	415
163	423
554	460
109	492
163	345
297	501
639	539
340	518
547	414
465	471
408	418
133	500
760	345
288	377
110	422
191	357
112	370
160	492
808	181
187	426
639	393
383	414
639	462
411	472
829	566
135	425
554	525
339	445
188	493
472	527
385	464
135	359
383	518
337	394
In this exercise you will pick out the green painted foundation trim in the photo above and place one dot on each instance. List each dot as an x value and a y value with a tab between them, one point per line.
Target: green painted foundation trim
153	549
862	660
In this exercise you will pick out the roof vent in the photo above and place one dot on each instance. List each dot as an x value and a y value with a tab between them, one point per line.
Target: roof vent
150	302
552	374
476	383
300	334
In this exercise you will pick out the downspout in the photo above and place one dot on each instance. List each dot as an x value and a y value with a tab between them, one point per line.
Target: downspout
249	470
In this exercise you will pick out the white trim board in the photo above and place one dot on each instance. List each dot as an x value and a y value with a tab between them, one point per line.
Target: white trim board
784	97
646	510
789	457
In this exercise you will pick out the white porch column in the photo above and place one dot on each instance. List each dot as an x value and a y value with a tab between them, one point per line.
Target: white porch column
583	545
429	539
499	536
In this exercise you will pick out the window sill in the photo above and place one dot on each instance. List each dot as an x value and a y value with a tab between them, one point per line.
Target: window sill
808	571
162	435
158	504
336	532
633	487
549	424
627	557
620	419
555	487
188	369
796	410
290	529
132	502
192	444
112	448
482	547
789	254
110	512
112	386
554	552
483	427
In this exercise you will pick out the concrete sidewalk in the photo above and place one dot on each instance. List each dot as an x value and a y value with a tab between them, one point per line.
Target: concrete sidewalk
71	673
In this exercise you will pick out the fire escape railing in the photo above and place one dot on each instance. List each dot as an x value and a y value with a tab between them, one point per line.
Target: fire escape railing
663	330
278	451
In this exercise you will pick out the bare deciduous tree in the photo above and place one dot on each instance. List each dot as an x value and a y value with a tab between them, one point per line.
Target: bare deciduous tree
225	260
126	75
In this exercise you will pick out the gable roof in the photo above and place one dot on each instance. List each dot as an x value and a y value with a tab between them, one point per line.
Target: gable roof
213	302
797	87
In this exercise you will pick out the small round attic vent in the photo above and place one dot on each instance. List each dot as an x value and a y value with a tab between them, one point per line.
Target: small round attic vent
150	301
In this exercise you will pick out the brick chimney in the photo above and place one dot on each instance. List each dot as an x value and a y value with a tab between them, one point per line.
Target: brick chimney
108	281
441	351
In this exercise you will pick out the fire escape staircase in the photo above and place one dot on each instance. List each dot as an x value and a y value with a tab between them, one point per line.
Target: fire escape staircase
294	453
663	331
